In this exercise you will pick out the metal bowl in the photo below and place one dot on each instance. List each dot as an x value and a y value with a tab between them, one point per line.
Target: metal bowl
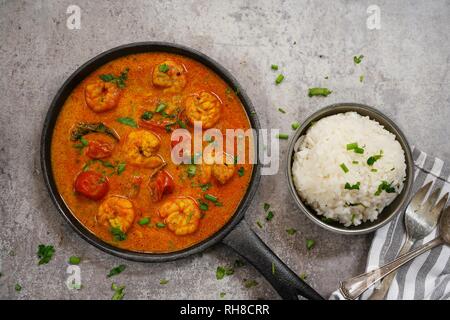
400	202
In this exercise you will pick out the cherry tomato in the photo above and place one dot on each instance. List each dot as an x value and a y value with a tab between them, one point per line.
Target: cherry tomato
160	125
162	184
98	149
92	185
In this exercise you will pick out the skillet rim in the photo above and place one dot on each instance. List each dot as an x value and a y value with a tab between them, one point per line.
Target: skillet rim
56	106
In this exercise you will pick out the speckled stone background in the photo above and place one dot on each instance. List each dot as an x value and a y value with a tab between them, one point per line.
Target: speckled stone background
406	70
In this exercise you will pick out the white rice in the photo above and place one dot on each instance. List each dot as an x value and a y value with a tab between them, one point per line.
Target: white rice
320	180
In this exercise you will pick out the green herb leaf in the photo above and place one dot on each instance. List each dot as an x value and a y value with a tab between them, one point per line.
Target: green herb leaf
354	146
273	268
266	206
358	59
241	172
84	142
355	162
361	78
238	263
45	253
269	216
220	273
163	67
222	294
74	260
281	110
147	115
18	287
279	79
160	107
107	77
127	121
160	225
191	170
119	292
121	168
116	270
274	67
303	276
291	231
344	167
163	281
211	197
295	125
310	244
371	160
182	124
324	92
119	81
259	224
118	235
385	186
203	205
144	221
250	283
355	186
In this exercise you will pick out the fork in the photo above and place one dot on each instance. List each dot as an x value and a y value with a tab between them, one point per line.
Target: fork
420	219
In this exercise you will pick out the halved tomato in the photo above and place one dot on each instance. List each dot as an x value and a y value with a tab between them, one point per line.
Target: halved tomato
98	149
162	184
92	185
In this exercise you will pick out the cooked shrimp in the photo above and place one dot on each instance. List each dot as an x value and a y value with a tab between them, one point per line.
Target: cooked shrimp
204	107
181	215
169	75
116	212
102	96
224	171
141	147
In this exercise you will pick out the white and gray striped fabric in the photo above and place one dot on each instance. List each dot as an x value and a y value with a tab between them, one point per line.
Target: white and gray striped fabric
428	276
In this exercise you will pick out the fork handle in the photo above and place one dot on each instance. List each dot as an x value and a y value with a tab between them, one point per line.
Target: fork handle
354	287
380	292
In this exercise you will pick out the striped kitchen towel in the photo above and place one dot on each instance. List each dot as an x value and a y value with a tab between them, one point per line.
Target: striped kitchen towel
427	276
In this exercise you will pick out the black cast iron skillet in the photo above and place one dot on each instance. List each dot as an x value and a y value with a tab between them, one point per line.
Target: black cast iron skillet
236	233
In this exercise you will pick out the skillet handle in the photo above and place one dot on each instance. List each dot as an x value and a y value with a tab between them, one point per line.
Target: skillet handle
288	285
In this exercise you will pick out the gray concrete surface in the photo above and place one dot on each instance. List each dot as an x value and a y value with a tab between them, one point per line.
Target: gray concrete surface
406	69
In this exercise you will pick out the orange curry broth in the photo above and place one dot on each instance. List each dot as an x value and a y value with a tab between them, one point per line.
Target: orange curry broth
67	161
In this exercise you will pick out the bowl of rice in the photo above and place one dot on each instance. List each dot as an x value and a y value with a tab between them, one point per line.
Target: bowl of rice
350	168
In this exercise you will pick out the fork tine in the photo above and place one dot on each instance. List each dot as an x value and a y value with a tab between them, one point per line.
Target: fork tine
418	198
429	203
440	205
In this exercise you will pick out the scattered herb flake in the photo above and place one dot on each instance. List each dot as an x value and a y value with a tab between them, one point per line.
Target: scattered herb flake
385	186
144	221
310	244
163	67
273	268
238	263
259	224
269	216
119	292
344	167
116	270
147	115
324	92
295	125
163	281
74	260
274	67
127	121
45	253
291	231
241	172
281	110
191	170
371	160
118	234
121	168
279	79
358	59
303	276
282	136
160	225
361	78
355	186
222	295
160	107
266	206
250	283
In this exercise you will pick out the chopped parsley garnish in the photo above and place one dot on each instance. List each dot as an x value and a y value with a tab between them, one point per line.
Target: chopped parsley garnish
118	292
281	110
118	81
18	287
324	92
282	136
327	220
279	79
273	268
355	162
303	276
160	225
144	221
269	216
250	283
211	198
355	186
259	224
274	67
310	244
221	272
127	121
163	281
203	205
241	172
147	115
222	294
116	270
291	231
181	123
74	260
385	186
358	59
373	170
373	159
266	206
163	67
354	146
238	263
361	78
344	167
295	125
118	234
45	253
